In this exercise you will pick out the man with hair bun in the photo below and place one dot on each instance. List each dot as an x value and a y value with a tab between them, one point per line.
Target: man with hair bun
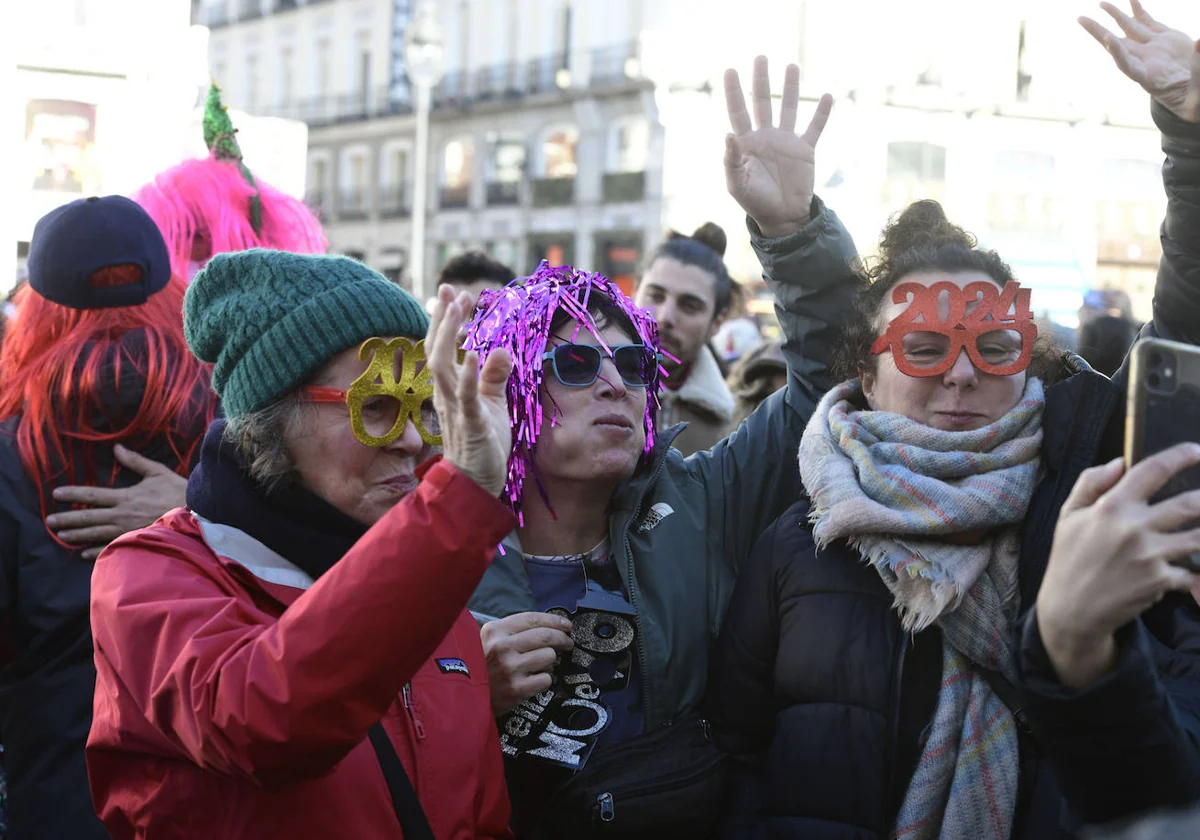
686	285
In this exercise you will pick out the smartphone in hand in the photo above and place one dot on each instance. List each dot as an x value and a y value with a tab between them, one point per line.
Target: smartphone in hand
1163	409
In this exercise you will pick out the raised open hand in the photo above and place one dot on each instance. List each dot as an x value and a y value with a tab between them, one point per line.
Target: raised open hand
1164	61
770	171
472	405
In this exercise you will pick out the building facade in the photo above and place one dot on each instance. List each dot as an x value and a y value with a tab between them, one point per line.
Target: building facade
539	135
581	130
94	105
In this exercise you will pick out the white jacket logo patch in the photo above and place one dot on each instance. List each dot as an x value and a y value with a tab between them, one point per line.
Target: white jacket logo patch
657	514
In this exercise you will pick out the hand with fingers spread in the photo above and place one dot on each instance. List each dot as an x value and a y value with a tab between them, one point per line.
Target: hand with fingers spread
1112	559
770	170
521	651
471	403
1164	61
111	512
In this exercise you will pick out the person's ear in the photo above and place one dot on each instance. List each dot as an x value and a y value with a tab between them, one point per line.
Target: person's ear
717	321
868	387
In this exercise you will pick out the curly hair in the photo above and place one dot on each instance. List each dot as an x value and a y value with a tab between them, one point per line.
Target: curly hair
921	238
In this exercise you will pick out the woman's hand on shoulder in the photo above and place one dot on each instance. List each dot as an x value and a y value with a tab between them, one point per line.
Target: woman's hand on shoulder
771	171
1164	61
1113	558
471	403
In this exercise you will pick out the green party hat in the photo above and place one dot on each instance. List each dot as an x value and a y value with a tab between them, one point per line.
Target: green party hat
221	138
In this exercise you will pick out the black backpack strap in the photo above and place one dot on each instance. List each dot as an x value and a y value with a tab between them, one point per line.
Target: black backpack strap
1010	696
404	799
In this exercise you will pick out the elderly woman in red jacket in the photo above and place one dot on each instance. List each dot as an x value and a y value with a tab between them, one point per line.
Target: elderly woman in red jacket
290	655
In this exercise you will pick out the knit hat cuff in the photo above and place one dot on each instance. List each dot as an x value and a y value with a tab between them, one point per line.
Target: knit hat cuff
294	347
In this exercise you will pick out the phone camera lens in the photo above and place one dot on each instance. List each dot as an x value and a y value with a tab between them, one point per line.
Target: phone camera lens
1154	380
1155	360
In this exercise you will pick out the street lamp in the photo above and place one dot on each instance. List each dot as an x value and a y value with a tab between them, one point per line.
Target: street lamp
424	54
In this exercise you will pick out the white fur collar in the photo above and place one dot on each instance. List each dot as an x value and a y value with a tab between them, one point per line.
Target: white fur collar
704	388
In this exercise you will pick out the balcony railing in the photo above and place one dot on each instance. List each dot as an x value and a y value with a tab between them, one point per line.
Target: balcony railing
463	89
616	65
395	200
623	186
455	198
347	107
553	192
352	203
501	193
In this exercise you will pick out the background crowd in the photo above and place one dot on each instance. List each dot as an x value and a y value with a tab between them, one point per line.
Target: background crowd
285	551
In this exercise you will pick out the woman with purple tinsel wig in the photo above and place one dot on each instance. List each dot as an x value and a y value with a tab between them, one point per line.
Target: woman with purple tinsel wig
598	612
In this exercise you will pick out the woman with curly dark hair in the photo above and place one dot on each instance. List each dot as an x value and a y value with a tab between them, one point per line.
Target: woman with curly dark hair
963	631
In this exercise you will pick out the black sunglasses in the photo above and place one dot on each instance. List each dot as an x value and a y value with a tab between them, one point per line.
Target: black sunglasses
578	365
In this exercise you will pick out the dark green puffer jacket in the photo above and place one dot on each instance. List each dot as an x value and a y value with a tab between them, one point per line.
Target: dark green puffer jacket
682	527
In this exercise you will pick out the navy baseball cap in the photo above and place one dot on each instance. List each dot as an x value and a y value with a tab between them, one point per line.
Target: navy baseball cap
98	253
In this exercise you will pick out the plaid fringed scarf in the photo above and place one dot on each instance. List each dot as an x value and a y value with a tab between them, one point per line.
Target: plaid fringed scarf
937	515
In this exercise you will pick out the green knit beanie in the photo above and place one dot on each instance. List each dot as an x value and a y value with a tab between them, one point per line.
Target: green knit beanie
266	320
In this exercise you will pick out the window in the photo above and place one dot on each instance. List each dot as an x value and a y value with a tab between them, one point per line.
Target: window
322	68
286	73
358	171
915	171
507	160
1024	77
458	163
631	141
916	161
317	192
1025	198
564	42
252	83
364	67
558	153
396	166
394	180
1132	178
318	175
354	176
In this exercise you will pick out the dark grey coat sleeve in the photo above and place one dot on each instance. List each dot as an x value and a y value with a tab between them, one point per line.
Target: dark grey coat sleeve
1131	741
751	477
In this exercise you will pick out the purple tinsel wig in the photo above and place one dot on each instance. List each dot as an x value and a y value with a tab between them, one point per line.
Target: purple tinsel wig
518	319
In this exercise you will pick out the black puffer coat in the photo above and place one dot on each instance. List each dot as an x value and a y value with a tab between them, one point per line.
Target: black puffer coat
47	675
822	698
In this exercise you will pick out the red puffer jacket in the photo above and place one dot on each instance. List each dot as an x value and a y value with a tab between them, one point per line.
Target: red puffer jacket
232	703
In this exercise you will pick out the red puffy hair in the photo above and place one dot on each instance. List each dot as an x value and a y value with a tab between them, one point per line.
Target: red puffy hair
61	368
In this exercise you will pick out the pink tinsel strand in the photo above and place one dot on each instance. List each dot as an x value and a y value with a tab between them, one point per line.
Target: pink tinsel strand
518	318
210	196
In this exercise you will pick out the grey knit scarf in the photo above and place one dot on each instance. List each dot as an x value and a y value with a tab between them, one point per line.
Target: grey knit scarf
904	494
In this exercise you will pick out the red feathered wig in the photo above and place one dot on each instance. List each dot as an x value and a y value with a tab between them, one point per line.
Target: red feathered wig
64	371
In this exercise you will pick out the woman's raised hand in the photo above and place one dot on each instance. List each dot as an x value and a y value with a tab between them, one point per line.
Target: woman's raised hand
1112	559
771	171
1164	61
471	403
